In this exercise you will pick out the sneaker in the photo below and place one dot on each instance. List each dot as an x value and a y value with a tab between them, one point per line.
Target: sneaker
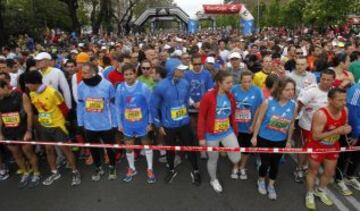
170	176
162	159
151	179
310	201
129	175
4	175
99	172
323	197
243	174
234	174
215	184
344	190
195	177
52	178
24	181
112	173
35	181
354	183
299	175
76	178
271	192
261	187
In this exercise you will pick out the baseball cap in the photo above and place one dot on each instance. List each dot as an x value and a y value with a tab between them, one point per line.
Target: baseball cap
235	55
210	59
182	67
42	56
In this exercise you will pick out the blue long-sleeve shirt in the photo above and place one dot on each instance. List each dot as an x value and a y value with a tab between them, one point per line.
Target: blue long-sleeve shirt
200	83
353	104
169	103
96	106
133	108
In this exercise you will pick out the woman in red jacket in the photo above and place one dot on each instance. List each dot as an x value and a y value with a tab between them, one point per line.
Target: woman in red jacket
216	123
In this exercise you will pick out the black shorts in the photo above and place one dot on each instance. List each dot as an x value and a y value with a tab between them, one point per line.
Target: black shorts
244	140
53	134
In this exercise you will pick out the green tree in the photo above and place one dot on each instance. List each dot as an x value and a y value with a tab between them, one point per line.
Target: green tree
328	12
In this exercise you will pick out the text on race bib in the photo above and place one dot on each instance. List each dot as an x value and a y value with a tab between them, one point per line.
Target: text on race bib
243	115
221	125
133	114
11	119
279	124
94	104
45	119
178	113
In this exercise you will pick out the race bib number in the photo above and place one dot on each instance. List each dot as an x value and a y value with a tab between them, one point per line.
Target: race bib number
279	124
330	140
178	113
11	119
243	115
94	104
133	114
221	125
45	119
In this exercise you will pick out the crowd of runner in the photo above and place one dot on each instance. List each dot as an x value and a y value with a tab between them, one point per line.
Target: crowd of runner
209	89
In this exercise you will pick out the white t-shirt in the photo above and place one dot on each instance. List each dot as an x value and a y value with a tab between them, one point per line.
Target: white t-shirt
313	99
302	81
224	54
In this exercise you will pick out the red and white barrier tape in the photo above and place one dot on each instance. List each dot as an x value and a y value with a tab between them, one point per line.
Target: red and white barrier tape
195	148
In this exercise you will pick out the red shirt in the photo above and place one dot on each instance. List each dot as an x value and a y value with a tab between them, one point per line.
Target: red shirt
116	77
207	113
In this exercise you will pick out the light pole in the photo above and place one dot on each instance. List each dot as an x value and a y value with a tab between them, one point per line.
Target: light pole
258	14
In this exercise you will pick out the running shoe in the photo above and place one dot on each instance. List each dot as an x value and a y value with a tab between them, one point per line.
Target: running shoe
170	176
24	181
299	175
195	177
76	178
129	175
99	172
261	187
4	175
52	178
35	181
310	201
323	197
271	192
112	173
353	182
215	184
243	175
151	179
234	174
343	188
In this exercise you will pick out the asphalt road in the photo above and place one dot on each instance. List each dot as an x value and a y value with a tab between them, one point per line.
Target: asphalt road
181	195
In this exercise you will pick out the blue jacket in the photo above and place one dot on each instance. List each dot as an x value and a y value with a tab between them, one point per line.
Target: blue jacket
132	106
353	104
169	103
96	106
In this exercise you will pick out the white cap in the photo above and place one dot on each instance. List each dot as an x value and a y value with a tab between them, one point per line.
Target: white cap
210	59
2	57
42	56
167	47
81	45
74	51
182	67
103	48
177	53
235	55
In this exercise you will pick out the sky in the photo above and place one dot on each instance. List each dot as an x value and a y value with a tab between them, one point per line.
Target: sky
192	6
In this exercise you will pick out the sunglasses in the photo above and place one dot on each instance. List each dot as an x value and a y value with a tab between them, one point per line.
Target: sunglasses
196	64
146	68
186	58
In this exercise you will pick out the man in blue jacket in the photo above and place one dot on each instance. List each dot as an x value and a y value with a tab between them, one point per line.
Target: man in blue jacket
169	109
96	114
353	158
